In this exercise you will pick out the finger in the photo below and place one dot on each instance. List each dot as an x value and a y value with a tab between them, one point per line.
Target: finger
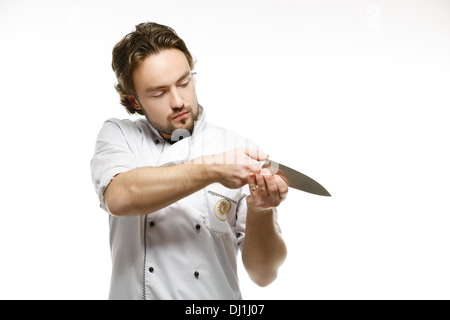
254	167
252	183
282	185
281	176
262	188
256	154
272	187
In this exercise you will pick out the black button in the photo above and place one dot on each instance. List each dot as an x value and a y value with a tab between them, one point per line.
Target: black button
197	226
196	274
152	223
156	141
150	269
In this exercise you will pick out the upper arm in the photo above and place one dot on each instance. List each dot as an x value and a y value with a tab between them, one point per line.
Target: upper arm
112	156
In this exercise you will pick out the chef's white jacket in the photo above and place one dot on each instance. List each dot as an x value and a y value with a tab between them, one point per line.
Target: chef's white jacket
187	250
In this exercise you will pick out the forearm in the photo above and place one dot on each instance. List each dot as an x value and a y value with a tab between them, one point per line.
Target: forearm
145	190
148	189
264	250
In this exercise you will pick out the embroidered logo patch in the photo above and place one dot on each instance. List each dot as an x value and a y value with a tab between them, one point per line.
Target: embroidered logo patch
221	209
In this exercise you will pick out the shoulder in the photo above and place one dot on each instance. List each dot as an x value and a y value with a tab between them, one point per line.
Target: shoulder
123	131
229	138
125	124
126	127
216	139
213	129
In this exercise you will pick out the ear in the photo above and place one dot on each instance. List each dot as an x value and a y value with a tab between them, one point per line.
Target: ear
134	102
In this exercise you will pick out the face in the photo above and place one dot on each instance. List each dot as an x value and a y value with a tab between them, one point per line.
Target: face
166	92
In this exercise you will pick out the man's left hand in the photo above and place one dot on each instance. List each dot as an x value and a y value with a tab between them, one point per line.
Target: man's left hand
266	190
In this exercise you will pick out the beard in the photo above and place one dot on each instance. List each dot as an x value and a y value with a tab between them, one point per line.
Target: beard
187	123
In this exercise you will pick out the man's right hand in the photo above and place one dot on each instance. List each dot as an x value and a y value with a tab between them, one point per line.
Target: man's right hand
234	166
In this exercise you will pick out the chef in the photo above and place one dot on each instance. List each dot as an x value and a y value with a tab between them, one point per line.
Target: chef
183	195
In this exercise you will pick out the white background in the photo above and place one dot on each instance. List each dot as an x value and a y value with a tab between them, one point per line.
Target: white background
353	93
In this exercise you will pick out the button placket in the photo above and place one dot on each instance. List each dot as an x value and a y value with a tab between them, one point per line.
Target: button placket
151	224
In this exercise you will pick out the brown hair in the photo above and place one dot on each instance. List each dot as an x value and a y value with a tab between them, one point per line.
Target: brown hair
148	38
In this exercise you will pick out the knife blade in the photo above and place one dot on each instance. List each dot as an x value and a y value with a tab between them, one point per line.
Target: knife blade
296	179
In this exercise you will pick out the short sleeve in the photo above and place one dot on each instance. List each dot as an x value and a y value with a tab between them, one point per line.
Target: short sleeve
112	155
242	217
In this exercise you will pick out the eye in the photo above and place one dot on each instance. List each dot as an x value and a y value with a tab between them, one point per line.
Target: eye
185	83
158	94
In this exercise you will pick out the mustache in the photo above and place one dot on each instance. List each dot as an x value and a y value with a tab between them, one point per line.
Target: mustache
180	111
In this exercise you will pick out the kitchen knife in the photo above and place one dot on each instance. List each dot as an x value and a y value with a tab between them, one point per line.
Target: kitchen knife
296	179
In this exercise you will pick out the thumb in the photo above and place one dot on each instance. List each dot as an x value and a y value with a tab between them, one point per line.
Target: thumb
252	182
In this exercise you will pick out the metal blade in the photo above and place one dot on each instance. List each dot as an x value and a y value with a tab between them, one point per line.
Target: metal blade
296	179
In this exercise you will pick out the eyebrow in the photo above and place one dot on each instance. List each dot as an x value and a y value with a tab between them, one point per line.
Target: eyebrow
151	89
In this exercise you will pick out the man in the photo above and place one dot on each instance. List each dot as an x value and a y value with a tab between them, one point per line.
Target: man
183	195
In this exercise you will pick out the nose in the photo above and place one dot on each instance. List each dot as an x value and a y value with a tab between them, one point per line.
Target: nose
176	101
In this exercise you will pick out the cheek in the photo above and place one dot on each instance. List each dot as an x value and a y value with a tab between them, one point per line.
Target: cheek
192	96
155	112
